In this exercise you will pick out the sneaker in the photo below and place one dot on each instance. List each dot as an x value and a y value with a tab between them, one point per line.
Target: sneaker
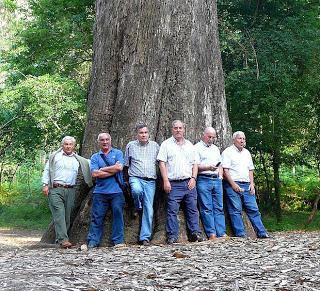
196	237
212	237
171	240
264	236
119	246
92	246
145	243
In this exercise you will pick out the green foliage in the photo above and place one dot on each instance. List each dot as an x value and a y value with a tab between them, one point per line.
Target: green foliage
22	204
55	38
291	221
270	53
37	112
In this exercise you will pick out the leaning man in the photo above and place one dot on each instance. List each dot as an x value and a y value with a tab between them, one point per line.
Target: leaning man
239	186
106	166
141	160
59	180
179	168
209	185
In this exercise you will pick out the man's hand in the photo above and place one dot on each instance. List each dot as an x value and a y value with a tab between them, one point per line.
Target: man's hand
167	186
252	191
236	188
191	183
45	190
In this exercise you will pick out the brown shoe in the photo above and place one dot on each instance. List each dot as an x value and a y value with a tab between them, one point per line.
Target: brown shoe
66	244
212	237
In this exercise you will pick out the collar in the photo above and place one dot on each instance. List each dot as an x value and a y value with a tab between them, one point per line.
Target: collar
206	145
176	142
237	149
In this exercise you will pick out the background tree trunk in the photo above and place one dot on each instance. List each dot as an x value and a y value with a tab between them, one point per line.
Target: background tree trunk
154	61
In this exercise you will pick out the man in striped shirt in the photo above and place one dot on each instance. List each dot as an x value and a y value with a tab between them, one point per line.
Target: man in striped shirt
141	161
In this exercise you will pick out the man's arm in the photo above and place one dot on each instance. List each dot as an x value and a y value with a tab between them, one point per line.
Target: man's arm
227	176
107	171
164	174
192	182
202	168
45	180
251	187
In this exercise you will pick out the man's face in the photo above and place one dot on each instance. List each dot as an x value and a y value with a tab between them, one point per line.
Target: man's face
240	141
104	142
209	137
143	135
68	147
178	130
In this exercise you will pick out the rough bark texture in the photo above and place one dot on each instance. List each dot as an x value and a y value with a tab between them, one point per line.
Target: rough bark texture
154	61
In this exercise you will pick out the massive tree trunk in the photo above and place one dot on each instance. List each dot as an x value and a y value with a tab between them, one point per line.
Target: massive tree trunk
154	61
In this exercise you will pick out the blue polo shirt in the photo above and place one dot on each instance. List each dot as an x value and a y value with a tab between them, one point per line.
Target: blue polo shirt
107	185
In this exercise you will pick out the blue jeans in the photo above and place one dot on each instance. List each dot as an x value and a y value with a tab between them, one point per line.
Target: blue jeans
210	200
100	205
143	196
179	192
235	201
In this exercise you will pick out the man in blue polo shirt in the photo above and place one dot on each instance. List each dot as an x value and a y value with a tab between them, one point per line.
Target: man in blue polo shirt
106	166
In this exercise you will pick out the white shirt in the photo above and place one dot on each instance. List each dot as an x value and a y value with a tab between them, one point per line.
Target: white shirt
208	156
179	159
65	169
238	162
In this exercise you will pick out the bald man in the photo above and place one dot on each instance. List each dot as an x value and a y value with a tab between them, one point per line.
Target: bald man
209	185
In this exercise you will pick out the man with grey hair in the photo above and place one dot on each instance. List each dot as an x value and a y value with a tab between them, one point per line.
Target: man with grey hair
141	162
59	180
179	167
239	186
106	166
209	185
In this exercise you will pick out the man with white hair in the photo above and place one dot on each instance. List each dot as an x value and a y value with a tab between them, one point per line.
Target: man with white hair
59	180
239	186
209	185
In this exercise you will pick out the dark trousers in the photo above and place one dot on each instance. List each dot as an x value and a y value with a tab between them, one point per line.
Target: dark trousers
100	205
180	192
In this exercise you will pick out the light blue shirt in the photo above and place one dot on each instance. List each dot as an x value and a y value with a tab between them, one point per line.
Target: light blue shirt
65	169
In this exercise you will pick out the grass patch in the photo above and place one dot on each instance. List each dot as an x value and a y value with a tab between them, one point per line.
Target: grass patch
291	220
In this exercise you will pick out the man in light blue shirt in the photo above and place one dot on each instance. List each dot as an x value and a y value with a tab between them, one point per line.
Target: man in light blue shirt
106	166
141	160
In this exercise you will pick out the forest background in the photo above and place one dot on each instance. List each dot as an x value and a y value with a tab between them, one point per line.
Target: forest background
271	60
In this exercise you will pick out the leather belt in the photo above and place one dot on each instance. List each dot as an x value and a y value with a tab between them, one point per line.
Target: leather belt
145	178
209	175
180	180
57	185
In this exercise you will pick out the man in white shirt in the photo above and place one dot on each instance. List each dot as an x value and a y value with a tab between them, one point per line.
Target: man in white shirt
178	167
209	185
59	180
239	186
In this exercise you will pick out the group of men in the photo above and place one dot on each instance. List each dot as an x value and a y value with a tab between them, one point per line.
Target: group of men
193	174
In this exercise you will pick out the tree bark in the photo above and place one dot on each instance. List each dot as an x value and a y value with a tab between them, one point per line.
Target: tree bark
154	61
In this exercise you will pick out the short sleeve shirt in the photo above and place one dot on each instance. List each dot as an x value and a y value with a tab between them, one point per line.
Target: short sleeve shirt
238	162
208	155
142	159
179	159
107	185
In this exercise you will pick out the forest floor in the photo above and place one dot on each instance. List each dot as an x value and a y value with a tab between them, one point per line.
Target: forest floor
288	261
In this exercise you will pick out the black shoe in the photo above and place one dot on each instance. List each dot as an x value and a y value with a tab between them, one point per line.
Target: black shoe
171	240
145	243
265	236
196	236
